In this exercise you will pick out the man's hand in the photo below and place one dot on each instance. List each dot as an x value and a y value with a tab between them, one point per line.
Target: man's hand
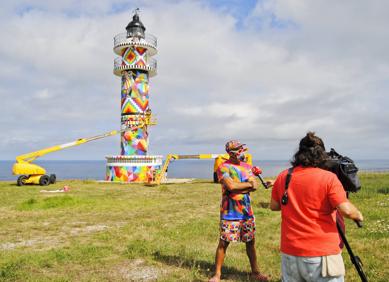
254	183
359	216
347	209
270	183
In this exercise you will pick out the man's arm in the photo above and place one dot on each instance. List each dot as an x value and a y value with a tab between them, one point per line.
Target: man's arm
239	187
274	205
347	209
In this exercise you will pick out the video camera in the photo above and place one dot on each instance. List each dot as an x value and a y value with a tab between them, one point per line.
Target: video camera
345	170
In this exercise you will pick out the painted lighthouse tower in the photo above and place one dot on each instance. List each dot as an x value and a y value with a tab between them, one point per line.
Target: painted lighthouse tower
134	66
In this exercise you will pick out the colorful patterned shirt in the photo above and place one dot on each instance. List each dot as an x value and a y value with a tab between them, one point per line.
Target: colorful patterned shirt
235	206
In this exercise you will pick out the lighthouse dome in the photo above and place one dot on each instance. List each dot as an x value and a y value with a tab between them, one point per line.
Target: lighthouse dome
135	28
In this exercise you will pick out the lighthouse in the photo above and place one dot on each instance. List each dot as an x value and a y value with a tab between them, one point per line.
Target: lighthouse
135	66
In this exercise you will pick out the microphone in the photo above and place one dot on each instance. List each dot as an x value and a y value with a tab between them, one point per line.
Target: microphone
257	172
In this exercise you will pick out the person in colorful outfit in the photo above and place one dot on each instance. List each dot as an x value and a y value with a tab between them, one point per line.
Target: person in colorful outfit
237	221
310	248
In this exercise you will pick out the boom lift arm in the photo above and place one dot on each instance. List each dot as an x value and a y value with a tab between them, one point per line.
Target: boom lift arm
34	174
29	157
161	176
219	158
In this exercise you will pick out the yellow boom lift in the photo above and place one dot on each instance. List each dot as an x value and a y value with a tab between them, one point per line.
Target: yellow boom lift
34	174
219	159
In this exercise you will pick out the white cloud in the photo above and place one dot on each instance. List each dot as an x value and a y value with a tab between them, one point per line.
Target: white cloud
293	66
42	94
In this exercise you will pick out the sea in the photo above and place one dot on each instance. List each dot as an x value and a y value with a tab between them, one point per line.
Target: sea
88	169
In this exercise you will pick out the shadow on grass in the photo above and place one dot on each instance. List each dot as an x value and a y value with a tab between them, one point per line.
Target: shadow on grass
203	267
264	205
384	190
192	182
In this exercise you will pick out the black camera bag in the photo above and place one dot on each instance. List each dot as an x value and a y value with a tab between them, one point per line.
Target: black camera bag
345	170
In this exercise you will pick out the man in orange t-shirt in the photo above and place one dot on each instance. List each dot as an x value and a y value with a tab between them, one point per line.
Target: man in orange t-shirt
308	230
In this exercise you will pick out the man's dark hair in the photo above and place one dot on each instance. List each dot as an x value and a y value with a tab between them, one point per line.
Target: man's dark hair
311	152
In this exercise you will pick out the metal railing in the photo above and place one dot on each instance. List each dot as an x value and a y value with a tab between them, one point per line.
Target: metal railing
151	63
122	38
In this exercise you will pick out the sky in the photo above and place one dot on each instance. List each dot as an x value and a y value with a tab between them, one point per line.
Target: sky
264	72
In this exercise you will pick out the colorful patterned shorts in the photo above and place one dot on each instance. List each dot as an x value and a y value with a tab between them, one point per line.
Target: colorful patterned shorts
237	230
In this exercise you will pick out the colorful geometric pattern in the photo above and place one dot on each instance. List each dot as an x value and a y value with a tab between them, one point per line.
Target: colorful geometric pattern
135	92
134	142
134	67
126	85
134	56
134	120
237	230
235	206
131	173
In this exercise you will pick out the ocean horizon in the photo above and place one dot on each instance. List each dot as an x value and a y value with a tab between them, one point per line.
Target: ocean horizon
95	169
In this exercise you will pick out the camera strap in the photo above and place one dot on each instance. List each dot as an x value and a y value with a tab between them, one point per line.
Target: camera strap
288	177
284	199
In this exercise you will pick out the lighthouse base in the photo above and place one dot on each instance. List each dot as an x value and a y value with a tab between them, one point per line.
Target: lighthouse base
140	169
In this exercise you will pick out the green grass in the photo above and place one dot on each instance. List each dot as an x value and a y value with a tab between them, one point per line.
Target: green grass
112	232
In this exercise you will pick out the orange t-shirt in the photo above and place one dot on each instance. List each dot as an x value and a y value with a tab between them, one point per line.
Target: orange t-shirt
308	219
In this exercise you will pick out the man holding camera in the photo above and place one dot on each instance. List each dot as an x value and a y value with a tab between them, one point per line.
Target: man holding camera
309	198
237	222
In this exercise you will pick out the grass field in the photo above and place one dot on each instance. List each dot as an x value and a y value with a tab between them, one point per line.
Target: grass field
114	232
